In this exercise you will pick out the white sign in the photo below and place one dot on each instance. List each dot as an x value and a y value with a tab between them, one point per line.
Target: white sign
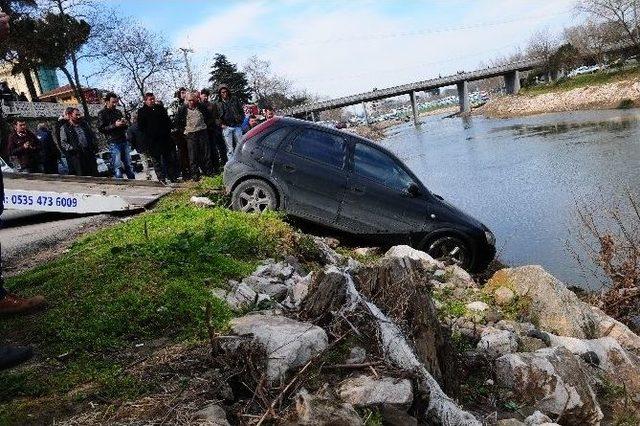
63	202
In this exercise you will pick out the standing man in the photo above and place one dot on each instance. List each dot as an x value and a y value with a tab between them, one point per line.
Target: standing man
23	145
180	142
192	121
231	117
113	125
218	149
78	144
155	128
49	153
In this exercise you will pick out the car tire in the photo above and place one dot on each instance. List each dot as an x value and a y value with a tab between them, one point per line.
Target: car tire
254	196
451	249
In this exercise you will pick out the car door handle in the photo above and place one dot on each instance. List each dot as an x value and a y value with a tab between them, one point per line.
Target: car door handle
289	168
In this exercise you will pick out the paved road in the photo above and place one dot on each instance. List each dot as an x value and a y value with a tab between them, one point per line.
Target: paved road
28	238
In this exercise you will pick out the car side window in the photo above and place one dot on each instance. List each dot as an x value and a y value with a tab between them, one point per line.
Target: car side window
323	147
373	164
273	139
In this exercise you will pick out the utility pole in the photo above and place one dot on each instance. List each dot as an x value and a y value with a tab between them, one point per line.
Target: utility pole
185	52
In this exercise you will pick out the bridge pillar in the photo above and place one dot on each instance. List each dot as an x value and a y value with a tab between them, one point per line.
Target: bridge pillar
463	96
412	97
366	114
512	82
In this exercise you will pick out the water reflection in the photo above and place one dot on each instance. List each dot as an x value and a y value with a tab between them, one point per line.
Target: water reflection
527	192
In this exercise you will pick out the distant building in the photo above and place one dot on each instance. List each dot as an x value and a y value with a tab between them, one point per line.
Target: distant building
66	95
44	79
48	79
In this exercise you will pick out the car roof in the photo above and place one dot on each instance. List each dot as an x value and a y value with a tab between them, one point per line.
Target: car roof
310	124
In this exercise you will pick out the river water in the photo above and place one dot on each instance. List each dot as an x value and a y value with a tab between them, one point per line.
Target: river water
525	178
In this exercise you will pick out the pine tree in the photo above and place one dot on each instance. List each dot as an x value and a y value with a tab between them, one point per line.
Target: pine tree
225	72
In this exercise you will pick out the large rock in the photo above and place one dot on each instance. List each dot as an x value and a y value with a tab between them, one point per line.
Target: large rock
240	296
409	253
288	344
552	381
538	419
608	356
496	343
319	411
557	309
212	415
366	391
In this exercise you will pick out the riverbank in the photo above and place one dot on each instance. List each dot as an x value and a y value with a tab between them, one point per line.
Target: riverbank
377	131
185	314
587	92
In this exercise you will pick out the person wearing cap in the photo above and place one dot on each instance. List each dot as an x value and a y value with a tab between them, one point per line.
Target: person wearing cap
230	115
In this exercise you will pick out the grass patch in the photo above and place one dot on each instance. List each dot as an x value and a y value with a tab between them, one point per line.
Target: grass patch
598	78
146	278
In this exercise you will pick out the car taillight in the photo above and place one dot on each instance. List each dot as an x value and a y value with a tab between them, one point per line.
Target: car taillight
260	128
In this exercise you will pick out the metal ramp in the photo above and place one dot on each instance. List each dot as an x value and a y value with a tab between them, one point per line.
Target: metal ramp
78	195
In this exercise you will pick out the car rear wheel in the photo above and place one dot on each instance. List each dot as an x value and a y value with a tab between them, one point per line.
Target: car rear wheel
452	250
254	196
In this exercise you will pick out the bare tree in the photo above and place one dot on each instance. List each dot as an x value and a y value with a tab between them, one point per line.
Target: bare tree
88	11
592	38
542	44
139	57
623	13
263	81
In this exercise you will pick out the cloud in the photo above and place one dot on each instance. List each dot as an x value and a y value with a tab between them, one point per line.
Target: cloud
339	48
239	22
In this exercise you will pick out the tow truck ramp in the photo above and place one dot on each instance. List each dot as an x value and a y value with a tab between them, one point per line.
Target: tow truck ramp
78	195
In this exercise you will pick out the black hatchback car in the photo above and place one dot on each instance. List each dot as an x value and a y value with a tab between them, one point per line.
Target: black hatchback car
351	185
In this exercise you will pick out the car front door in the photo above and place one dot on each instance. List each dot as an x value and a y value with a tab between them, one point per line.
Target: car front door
378	198
312	164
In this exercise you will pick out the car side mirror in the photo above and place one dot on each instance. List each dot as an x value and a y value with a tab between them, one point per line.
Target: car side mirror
413	190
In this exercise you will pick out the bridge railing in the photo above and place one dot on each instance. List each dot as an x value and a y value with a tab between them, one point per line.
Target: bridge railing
41	109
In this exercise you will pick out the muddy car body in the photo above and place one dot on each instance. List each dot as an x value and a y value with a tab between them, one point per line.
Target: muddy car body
351	185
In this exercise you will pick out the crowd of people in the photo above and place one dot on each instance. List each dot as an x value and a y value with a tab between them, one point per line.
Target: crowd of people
196	140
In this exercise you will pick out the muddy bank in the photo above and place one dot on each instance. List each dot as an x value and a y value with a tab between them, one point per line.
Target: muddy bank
605	96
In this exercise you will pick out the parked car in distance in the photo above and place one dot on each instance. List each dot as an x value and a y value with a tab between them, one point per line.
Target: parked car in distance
103	169
351	185
5	167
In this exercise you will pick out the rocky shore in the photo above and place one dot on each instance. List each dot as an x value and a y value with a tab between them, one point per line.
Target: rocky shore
360	337
606	96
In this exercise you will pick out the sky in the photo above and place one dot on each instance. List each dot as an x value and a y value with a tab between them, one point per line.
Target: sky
336	48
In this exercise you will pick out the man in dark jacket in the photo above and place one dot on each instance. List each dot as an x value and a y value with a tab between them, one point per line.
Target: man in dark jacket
230	115
23	145
155	128
77	141
49	153
113	125
218	148
192	120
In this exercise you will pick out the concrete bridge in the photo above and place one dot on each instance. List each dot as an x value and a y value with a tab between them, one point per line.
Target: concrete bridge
510	72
